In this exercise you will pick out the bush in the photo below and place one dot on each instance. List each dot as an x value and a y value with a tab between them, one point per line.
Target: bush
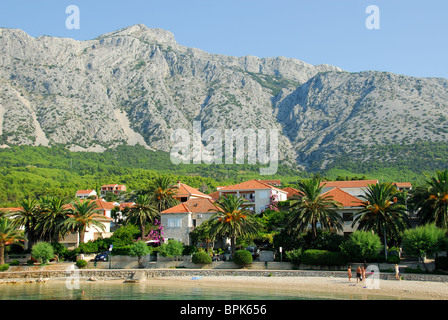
30	262
122	251
393	259
172	249
4	267
242	258
294	256
81	264
201	258
139	249
43	251
423	240
14	263
323	258
441	263
362	245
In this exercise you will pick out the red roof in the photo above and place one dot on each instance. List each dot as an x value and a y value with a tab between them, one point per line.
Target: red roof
348	184
195	205
346	199
11	209
84	191
215	195
184	190
292	192
403	184
249	185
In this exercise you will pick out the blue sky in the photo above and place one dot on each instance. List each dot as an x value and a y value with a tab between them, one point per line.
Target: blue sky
412	39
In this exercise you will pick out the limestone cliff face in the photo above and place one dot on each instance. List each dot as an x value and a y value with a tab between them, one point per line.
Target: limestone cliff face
137	85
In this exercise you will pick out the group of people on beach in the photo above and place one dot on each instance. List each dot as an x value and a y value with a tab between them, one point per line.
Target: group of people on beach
360	274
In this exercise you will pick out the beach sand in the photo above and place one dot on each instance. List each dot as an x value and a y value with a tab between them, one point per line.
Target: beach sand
403	289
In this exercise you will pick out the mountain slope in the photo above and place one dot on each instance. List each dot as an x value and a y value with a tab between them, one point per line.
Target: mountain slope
136	85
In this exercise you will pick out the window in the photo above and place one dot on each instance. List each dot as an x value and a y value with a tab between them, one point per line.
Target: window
347	216
174	223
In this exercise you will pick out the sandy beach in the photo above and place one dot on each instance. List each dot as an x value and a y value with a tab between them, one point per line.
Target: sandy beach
406	290
329	287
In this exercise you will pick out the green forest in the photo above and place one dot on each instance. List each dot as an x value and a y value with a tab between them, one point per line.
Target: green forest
36	171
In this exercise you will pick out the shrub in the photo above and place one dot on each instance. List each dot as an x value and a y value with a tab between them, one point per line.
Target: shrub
4	267
423	241
201	258
242	258
323	258
30	262
393	259
441	263
122	251
43	251
81	264
14	263
172	249
294	256
362	245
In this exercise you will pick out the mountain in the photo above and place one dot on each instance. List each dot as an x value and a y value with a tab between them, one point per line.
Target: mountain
136	85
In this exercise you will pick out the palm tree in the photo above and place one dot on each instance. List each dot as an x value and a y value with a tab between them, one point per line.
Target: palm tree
54	212
82	216
162	192
432	200
8	234
233	220
28	217
143	211
313	208
382	212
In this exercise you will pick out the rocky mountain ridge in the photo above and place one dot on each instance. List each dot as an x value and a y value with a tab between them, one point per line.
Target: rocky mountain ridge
136	85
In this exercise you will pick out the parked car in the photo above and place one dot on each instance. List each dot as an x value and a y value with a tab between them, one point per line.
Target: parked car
254	251
103	256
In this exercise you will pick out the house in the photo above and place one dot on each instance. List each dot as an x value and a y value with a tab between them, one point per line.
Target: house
103	215
356	188
350	205
257	194
114	188
181	219
402	186
185	192
84	194
71	241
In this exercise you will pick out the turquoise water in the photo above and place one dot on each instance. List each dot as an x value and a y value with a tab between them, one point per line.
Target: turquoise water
147	291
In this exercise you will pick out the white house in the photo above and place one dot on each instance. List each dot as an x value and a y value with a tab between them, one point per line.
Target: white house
181	219
84	194
257	193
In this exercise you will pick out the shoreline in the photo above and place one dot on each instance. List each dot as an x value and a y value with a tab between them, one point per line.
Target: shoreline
292	285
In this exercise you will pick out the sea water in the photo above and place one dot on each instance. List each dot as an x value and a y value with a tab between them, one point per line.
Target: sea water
147	291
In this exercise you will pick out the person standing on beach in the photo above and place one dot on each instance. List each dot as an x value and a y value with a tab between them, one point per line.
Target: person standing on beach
358	274
397	272
349	273
363	274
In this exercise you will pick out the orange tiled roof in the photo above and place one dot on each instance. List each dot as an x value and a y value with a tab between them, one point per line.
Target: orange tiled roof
214	195
84	191
403	184
349	184
185	190
292	192
11	209
346	199
198	205
249	185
